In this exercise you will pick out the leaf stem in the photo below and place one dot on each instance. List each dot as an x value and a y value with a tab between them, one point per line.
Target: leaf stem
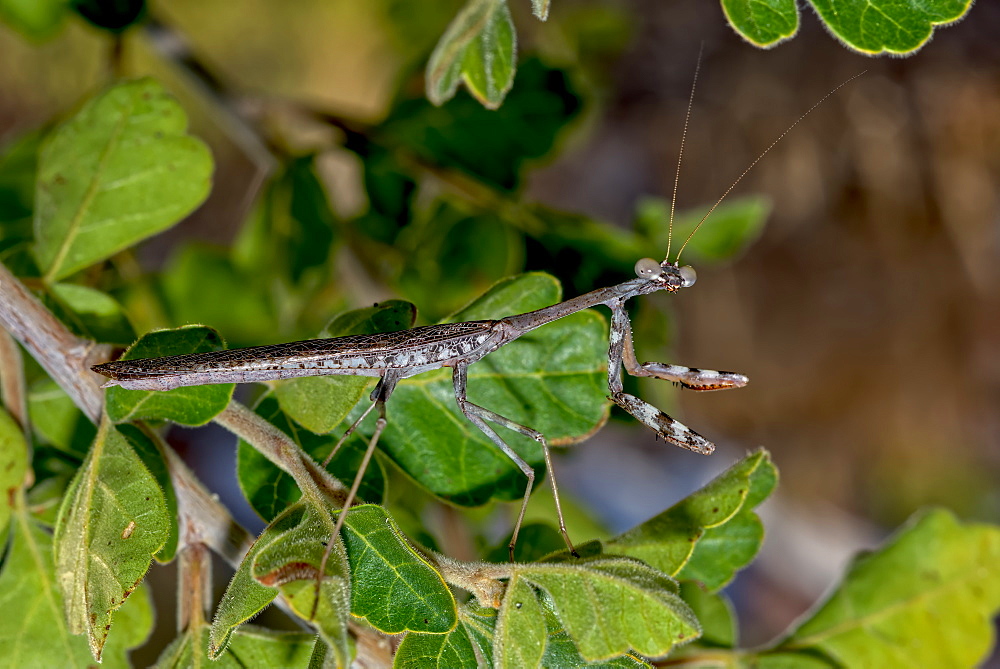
316	484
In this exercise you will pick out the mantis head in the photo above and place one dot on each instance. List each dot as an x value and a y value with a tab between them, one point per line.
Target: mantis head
672	277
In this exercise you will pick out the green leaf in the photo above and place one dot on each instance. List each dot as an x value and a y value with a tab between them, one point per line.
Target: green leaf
397	590
552	379
560	651
714	612
189	405
320	403
290	560
491	145
673	540
519	639
250	646
887	26
478	48
286	552
926	598
18	165
270	490
440	651
38	636
120	170
610	605
154	461
58	421
879	26
35	19
13	467
113	519
90	313
763	23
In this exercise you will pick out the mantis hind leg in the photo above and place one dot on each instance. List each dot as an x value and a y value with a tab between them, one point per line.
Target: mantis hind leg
478	416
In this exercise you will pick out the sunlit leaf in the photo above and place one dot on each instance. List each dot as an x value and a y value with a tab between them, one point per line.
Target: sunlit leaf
887	26
286	556
120	170
155	463
609	606
290	561
113	520
927	598
763	23
673	540
401	591
478	48
880	26
520	630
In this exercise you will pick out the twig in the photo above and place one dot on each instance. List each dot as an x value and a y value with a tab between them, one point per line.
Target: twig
62	354
12	389
314	481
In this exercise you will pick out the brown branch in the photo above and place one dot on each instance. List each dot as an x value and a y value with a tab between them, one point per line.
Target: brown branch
62	354
12	388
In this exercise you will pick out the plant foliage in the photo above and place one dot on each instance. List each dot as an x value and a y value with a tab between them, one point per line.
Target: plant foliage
87	509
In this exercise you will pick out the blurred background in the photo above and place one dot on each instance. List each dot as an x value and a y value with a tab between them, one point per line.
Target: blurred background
866	313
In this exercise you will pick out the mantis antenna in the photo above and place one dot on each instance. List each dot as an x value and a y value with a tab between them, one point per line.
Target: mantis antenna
680	154
752	165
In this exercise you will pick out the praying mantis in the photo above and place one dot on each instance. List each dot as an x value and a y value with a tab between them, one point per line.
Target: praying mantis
394	356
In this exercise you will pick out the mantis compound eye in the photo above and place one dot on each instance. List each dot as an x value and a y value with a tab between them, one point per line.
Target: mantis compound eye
647	268
688	276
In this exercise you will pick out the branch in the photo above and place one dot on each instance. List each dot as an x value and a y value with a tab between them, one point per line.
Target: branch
67	359
315	482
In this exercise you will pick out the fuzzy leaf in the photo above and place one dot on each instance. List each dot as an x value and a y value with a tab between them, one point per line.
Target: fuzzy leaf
13	467
250	646
113	520
712	533
611	605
